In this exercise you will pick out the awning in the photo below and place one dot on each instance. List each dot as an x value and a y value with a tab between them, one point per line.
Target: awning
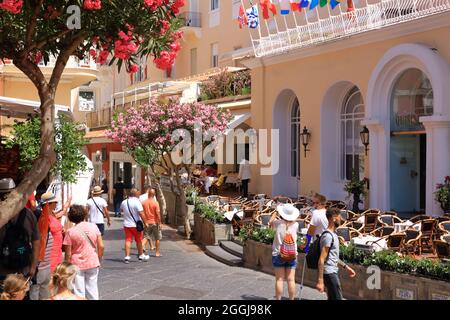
20	108
237	121
235	104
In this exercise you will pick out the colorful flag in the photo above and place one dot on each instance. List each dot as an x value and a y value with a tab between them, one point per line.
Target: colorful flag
323	3
334	3
350	6
295	5
314	4
242	19
252	17
285	7
267	6
304	3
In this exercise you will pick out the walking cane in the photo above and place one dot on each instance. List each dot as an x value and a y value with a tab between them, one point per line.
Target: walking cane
304	265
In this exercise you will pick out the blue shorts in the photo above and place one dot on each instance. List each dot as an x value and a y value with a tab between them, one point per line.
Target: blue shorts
278	263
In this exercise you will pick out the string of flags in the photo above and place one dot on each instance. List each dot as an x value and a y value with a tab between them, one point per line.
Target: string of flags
250	17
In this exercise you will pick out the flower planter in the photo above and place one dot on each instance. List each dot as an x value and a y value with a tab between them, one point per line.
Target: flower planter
190	212
393	286
208	233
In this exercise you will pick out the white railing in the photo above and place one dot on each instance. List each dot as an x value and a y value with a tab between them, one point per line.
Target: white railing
290	34
73	62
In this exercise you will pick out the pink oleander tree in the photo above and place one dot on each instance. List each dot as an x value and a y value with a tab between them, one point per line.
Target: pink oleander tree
117	32
154	126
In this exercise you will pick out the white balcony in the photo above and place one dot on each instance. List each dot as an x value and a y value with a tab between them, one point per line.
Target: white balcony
305	30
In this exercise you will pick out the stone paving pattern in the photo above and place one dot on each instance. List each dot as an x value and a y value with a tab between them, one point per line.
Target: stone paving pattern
184	272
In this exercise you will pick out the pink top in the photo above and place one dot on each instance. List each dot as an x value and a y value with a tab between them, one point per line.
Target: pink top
84	256
56	253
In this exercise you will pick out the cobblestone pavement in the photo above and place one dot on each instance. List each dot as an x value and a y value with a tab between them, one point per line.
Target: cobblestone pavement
184	272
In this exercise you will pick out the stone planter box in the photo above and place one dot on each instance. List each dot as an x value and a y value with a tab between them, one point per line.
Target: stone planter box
393	286
208	233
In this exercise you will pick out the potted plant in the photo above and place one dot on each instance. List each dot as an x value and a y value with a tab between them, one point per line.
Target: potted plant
191	199
442	194
356	188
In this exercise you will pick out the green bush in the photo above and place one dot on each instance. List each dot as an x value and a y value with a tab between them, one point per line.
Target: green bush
263	235
209	212
390	261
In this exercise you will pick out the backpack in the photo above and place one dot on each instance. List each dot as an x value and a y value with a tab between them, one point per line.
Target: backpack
288	249
313	255
16	251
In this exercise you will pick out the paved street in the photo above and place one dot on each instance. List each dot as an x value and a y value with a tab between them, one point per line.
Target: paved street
184	272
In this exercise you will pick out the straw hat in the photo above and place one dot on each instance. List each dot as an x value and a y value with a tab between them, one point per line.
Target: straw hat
288	212
49	197
97	191
7	185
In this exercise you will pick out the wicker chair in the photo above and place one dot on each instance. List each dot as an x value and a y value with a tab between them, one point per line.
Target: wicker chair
383	232
412	241
282	200
442	249
388	220
377	211
419	218
263	219
302	223
428	230
444	227
395	241
446	238
347	233
336	204
355	225
370	221
391	213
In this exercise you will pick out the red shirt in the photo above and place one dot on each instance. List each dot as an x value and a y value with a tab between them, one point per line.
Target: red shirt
31	198
56	253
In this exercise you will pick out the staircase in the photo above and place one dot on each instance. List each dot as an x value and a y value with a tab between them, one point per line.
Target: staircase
227	252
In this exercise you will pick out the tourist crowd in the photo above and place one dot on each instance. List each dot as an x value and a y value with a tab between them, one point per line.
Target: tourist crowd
55	253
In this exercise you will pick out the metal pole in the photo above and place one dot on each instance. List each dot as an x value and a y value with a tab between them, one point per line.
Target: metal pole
303	278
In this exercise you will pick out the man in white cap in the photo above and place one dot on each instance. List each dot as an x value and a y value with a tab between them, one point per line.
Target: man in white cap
284	248
98	210
19	239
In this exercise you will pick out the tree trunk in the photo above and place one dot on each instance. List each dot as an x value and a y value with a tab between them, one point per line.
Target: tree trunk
17	199
159	195
183	206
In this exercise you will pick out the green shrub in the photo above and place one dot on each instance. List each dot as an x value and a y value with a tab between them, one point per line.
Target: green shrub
209	212
263	235
390	261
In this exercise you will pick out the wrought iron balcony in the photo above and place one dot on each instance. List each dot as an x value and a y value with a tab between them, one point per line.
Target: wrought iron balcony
369	15
191	19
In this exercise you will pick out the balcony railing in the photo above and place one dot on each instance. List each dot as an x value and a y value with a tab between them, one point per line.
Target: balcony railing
73	62
369	16
191	19
99	119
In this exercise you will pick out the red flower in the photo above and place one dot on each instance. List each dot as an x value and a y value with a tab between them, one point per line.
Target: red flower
133	68
92	4
37	57
447	179
13	6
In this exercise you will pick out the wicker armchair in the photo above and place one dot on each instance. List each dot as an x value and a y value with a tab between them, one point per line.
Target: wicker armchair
446	238
412	241
391	213
442	249
444	227
388	220
370	221
395	241
427	229
347	233
419	218
355	225
383	232
376	211
281	199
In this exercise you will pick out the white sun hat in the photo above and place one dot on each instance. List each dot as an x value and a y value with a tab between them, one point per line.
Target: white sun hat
288	212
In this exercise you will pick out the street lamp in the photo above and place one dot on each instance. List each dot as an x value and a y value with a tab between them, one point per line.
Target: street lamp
365	138
306	137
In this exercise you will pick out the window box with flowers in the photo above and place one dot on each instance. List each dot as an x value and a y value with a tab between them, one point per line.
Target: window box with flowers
442	194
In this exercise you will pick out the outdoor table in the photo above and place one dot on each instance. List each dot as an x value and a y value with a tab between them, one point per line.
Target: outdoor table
378	244
232	179
400	227
303	231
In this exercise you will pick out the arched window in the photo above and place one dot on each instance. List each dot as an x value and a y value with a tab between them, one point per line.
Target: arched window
352	148
295	138
412	99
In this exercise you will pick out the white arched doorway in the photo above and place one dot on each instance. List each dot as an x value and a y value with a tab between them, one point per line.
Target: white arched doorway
341	152
286	119
380	101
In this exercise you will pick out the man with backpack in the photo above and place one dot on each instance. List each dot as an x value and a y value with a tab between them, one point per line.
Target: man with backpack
328	261
19	239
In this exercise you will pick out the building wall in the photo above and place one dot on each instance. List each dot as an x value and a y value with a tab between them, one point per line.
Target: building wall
311	78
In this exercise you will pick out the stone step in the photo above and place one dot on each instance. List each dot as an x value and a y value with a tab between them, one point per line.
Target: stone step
233	248
218	253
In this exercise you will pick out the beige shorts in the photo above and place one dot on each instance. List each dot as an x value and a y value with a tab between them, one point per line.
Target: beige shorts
152	232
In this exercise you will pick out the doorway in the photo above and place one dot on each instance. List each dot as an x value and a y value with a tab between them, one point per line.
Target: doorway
408	174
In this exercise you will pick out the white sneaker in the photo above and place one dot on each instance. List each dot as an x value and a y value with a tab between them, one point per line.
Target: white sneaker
127	259
144	257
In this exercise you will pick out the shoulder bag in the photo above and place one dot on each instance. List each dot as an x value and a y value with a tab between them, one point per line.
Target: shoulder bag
139	223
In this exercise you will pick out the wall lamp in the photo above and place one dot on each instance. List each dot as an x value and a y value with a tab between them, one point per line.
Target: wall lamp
306	138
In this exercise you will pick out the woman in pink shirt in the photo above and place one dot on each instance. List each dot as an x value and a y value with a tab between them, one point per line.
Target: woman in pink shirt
84	248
